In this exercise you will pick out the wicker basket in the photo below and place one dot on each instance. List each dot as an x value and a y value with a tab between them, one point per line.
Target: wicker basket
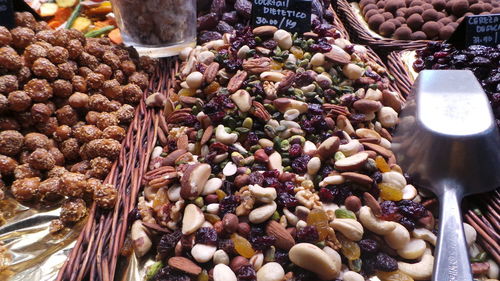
481	211
98	246
360	34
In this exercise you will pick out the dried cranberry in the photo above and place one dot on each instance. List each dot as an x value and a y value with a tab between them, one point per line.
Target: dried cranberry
307	234
320	48
287	187
169	274
386	263
269	150
232	66
168	241
326	195
269	44
228	205
286	200
218	147
368	246
299	165
412	209
390	211
271	182
207	36
261	243
341	192
325	170
315	109
295	150
227	245
256	178
206	235
408	223
246	272
281	257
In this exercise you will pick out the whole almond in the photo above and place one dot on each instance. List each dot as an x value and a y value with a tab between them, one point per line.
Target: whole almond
211	72
379	149
358	178
367	106
265	30
371	202
284	239
184	264
339	56
207	134
236	81
172	156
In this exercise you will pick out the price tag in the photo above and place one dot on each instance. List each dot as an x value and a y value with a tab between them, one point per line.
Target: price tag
291	15
477	30
6	13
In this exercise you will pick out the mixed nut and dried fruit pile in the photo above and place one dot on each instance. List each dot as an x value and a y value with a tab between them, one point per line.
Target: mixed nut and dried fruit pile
422	19
65	102
275	163
483	61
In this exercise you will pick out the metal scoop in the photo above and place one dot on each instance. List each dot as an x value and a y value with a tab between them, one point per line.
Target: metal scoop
448	141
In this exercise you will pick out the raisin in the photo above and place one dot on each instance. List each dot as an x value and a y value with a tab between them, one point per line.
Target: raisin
368	246
385	263
168	242
206	235
246	272
308	234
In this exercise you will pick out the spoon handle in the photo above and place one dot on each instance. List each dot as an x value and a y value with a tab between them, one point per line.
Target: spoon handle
452	259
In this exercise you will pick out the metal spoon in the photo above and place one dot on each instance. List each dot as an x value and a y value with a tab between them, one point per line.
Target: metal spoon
448	141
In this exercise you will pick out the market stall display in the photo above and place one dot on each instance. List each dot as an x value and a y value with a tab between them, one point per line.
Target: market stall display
257	154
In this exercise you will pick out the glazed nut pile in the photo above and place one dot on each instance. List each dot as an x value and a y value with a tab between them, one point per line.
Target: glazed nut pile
277	165
65	102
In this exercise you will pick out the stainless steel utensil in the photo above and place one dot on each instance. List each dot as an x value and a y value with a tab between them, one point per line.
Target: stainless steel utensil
448	141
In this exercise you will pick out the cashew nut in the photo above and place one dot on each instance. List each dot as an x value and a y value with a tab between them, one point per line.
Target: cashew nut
373	223
222	136
291	217
409	192
142	243
310	257
395	179
413	249
313	166
350	148
351	229
262	213
398	238
421	270
264	195
425	234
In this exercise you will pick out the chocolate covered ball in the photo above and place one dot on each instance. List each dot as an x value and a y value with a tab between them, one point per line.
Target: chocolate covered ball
427	6
375	21
445	32
402	33
370	13
449	4
418	35
387	16
363	3
439	5
415	21
416	3
445	21
381	4
460	7
395	22
369	7
387	29
476	8
401	20
414	10
430	15
495	10
487	7
393	5
431	29
441	15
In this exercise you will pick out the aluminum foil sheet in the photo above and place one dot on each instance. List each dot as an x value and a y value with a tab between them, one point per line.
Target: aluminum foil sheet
27	250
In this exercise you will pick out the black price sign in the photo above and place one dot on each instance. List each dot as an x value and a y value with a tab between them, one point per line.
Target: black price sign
291	15
6	13
477	30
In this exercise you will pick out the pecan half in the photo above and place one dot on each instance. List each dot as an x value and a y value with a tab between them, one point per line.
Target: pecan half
236	81
257	65
211	72
287	82
260	111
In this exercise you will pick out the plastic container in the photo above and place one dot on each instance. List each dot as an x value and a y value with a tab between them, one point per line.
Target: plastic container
157	28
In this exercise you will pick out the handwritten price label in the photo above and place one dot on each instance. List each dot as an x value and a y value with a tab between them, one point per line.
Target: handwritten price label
291	15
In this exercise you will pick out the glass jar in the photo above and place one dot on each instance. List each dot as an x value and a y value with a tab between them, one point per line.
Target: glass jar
157	28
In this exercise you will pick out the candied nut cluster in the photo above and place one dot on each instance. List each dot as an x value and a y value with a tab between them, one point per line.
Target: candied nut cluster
65	103
276	152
